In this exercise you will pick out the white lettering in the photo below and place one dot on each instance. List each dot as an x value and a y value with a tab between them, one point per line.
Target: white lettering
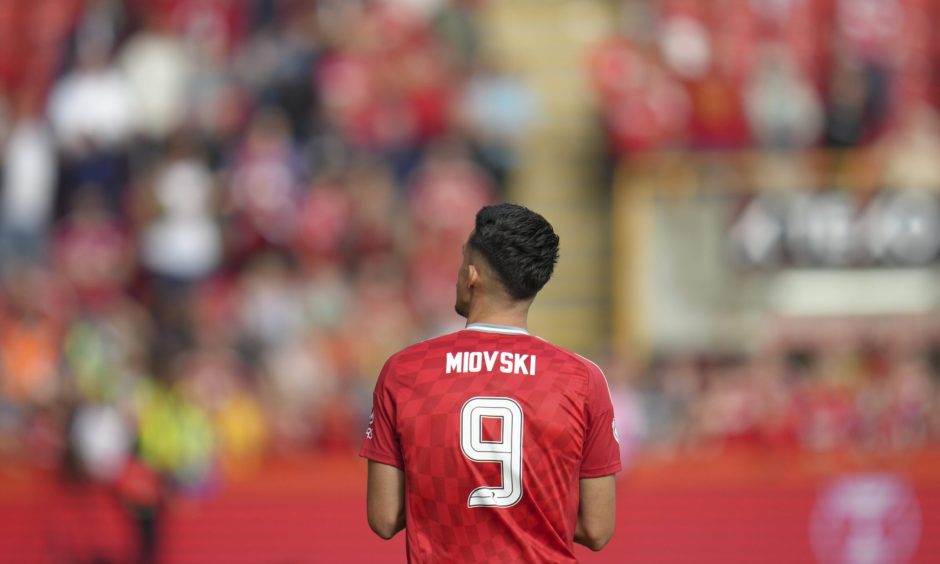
490	359
479	361
476	361
505	362
453	362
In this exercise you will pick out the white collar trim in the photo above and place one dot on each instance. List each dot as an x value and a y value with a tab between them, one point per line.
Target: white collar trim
491	328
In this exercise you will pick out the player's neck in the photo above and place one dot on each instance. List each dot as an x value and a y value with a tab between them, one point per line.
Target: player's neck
511	315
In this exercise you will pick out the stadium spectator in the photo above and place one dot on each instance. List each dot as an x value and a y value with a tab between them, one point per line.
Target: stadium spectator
28	189
783	109
157	70
182	241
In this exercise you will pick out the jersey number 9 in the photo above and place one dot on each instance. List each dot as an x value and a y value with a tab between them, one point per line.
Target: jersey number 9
507	450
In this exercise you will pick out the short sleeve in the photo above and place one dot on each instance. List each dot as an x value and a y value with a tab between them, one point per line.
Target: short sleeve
601	454
381	438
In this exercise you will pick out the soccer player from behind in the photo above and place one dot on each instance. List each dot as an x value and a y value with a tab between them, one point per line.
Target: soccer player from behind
490	444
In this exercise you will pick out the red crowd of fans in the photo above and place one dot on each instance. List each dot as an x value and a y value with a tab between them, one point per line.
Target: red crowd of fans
218	218
866	387
766	74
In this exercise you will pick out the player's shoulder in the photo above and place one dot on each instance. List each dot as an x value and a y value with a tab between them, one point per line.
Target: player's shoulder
573	358
593	375
420	350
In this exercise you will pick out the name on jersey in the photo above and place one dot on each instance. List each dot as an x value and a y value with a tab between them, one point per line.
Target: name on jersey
490	361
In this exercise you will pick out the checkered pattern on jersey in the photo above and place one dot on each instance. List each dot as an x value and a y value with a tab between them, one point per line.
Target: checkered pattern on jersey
439	477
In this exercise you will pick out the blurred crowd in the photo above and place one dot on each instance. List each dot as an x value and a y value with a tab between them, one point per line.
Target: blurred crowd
870	389
768	74
782	78
218	218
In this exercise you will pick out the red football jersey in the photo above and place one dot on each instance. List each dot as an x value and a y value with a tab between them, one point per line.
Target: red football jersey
493	429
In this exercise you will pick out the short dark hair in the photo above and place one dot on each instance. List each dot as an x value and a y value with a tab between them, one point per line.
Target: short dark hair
519	244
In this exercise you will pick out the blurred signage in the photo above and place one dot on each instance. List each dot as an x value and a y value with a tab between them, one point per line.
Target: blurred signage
728	508
866	518
837	229
815	292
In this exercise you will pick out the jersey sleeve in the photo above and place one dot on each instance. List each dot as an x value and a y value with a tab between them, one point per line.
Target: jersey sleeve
601	454
381	438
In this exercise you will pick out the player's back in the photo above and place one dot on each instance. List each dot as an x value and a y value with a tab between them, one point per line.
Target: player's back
495	428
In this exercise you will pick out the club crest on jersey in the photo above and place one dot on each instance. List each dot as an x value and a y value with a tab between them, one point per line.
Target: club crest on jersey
371	421
490	361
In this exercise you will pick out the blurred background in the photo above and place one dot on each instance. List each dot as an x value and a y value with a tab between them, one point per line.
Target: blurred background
219	217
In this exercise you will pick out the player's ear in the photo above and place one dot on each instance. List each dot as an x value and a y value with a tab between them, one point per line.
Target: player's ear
473	275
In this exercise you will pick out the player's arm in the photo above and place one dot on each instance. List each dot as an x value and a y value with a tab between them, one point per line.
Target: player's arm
385	499
600	462
596	512
385	492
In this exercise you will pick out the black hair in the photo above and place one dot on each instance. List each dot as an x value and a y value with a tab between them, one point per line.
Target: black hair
519	244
